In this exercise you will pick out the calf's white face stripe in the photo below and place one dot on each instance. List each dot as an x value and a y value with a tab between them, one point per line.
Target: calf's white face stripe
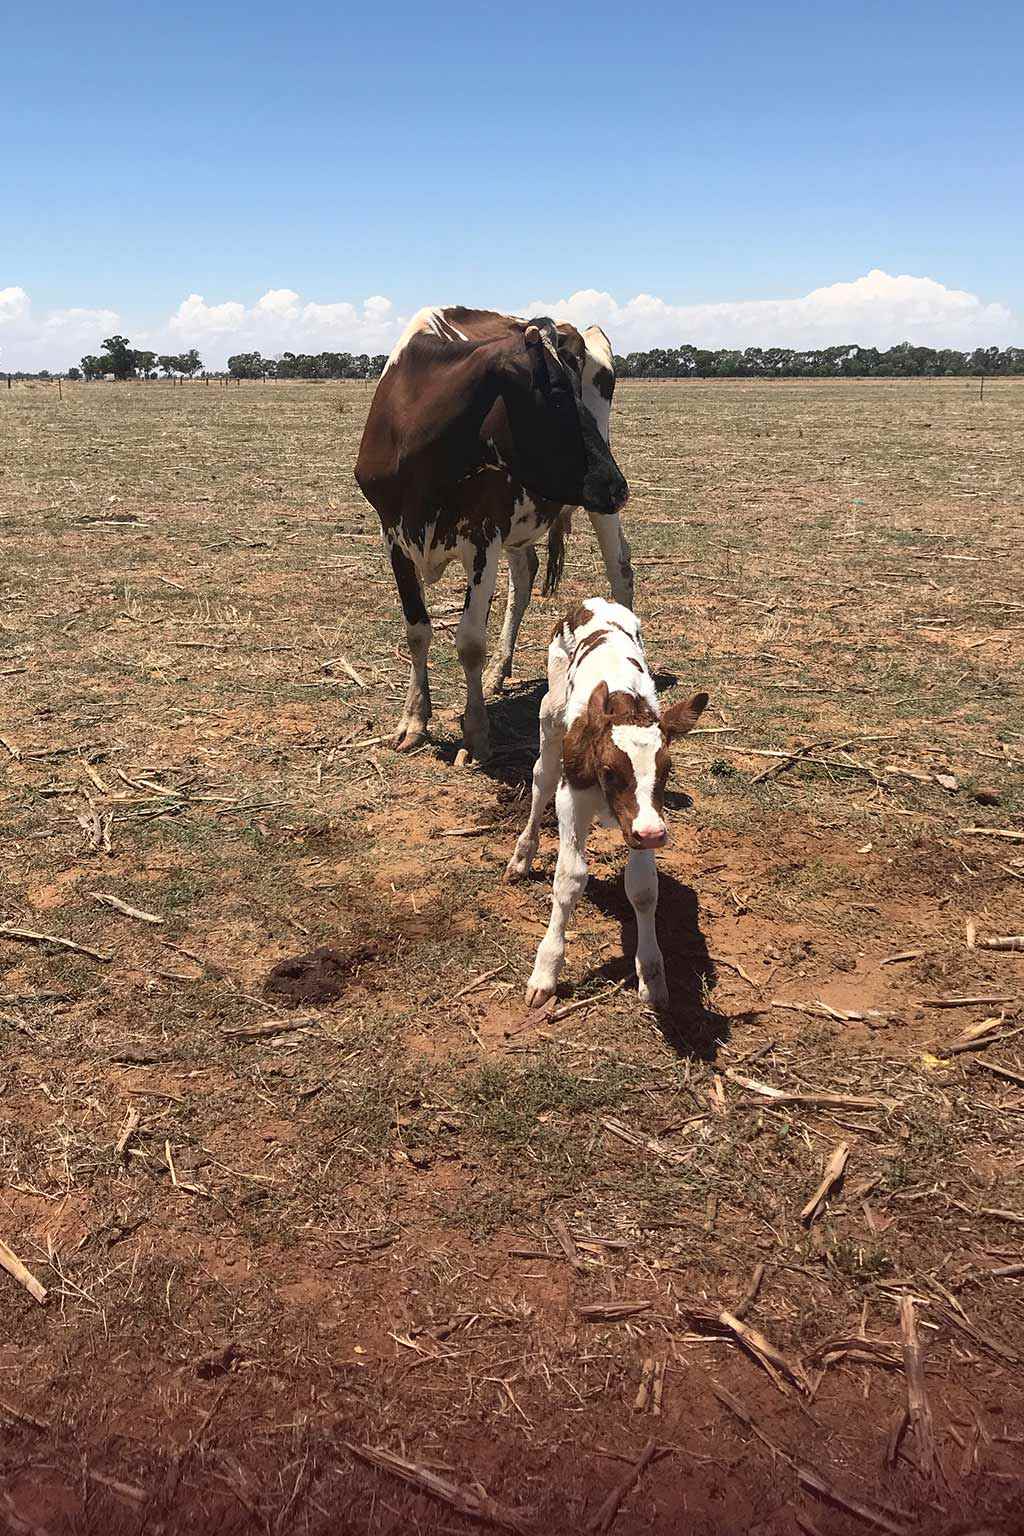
640	743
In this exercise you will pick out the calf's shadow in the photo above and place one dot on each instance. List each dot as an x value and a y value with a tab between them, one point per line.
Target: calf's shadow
690	1025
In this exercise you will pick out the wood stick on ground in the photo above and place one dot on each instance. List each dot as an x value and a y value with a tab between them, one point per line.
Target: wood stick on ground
612	1311
585	1002
750	1295
774	1362
346	666
1012	941
14	1267
471	1501
782	1096
470	831
29	936
643	1395
564	1238
1006	832
478	981
131	1125
21	1415
604	1516
967	1002
646	1143
919	1411
659	1388
834	1170
809	1478
833	1495
993	1066
122	906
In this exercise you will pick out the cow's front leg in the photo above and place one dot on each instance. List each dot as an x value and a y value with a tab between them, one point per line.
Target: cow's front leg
575	814
615	553
522	571
412	727
480	560
642	890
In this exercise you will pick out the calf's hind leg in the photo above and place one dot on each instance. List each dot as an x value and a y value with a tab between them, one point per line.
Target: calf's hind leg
412	727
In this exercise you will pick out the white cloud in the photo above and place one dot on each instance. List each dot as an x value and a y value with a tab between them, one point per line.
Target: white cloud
52	341
194	318
877	310
874	310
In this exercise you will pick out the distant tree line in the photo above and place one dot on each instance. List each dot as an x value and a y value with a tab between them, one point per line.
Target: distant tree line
123	361
304	365
902	361
120	360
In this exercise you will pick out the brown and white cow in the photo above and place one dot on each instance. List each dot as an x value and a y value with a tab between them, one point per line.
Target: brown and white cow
483	428
601	724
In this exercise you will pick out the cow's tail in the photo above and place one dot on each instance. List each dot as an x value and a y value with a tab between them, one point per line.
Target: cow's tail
558	533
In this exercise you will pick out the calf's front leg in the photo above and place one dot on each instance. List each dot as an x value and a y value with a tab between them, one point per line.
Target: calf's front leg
642	890
575	814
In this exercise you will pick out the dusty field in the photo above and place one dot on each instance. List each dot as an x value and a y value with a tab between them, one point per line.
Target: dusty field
272	1233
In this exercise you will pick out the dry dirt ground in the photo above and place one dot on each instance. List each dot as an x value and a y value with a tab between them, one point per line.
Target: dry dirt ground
280	1235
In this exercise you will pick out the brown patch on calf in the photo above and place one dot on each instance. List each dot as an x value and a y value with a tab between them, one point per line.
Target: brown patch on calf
579	616
590	757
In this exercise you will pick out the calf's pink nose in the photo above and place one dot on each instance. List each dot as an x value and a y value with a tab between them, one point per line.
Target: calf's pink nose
649	834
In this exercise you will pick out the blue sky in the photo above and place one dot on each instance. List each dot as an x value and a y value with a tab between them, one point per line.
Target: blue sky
705	155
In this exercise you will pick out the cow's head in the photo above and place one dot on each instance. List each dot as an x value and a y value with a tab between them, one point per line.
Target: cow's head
560	450
622	746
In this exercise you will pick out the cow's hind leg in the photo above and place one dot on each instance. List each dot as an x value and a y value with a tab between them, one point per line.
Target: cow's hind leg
480	560
412	727
615	553
547	767
522	571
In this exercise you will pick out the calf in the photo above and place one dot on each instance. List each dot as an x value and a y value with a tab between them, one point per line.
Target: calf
601	723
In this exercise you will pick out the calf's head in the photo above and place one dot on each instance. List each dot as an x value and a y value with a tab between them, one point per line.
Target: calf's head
560	450
622	747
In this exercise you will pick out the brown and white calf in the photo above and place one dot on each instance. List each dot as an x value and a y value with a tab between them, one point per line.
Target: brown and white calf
604	742
483	428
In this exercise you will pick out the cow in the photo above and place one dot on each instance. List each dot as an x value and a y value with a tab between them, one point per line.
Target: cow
483	428
604	742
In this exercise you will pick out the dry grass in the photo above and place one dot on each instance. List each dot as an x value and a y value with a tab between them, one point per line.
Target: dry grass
378	1223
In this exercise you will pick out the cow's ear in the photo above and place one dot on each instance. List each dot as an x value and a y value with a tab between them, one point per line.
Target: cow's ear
683	716
598	706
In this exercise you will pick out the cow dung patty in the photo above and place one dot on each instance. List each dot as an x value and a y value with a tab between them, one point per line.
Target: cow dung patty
322	976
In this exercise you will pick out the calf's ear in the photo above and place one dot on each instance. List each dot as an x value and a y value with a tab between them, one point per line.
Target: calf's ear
683	715
597	707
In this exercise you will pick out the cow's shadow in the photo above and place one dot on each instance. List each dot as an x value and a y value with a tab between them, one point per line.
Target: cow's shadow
690	1025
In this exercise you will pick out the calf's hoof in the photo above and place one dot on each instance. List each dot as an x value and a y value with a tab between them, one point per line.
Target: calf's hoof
408	736
536	997
655	995
516	869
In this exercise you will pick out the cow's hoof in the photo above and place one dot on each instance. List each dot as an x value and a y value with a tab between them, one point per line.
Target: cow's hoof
536	997
493	683
516	869
655	997
407	737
